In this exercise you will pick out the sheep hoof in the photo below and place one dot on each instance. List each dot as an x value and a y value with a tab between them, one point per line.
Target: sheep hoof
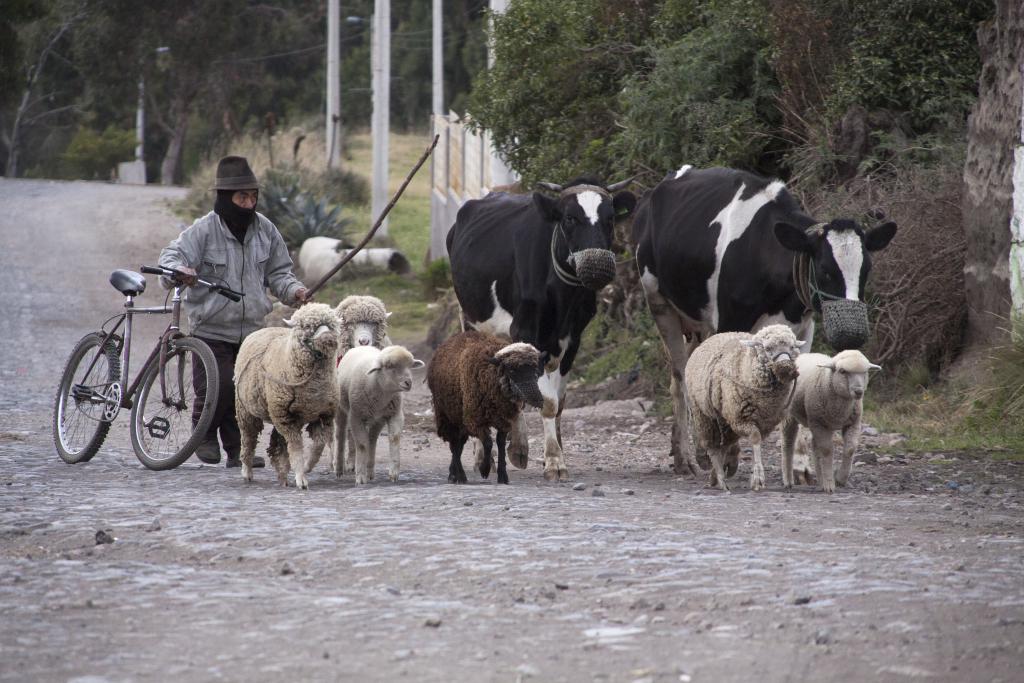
361	479
456	479
393	474
756	485
502	478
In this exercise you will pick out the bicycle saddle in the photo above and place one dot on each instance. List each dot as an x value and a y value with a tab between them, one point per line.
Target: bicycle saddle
128	282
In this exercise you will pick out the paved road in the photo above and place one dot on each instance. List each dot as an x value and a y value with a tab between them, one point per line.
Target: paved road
658	579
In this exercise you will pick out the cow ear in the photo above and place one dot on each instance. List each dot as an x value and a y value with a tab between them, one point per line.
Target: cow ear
623	204
879	236
547	207
793	238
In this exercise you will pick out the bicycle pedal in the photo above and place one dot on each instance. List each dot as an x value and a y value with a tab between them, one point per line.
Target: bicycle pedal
158	427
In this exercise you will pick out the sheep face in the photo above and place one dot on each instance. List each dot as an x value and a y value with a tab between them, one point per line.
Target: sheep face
518	371
362	334
849	377
393	369
778	348
316	327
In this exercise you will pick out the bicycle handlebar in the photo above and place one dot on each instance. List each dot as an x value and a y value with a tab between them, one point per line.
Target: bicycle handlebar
176	276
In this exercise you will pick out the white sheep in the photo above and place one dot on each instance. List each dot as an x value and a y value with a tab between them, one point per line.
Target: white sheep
829	397
286	377
364	322
370	386
738	385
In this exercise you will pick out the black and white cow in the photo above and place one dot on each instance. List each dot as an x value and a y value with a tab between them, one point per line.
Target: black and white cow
528	267
721	250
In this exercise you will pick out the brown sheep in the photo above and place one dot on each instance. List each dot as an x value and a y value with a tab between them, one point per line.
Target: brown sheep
478	381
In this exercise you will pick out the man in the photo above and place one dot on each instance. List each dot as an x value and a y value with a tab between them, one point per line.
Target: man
236	246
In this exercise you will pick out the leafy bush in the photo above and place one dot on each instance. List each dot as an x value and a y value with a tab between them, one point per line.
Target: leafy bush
92	155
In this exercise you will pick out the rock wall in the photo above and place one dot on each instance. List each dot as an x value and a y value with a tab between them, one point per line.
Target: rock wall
994	133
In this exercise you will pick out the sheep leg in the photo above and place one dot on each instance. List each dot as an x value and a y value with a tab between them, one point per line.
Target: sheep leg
457	475
678	348
757	477
320	432
551	385
789	429
717	476
851	436
821	442
519	443
803	458
371	449
732	460
485	464
482	463
349	462
360	453
395	426
250	428
502	471
340	434
296	455
277	450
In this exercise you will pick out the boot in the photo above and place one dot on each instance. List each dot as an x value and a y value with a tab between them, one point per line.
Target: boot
235	460
209	451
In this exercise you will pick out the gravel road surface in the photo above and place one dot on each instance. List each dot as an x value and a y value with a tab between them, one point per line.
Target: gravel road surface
625	573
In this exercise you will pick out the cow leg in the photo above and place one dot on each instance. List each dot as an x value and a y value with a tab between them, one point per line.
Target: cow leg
519	443
502	470
678	348
552	387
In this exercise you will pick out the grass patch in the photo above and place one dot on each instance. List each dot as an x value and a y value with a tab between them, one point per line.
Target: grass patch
985	415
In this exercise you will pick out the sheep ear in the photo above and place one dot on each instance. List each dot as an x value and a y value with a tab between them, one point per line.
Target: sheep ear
288	322
374	368
831	365
417	364
752	343
800	342
388	315
872	366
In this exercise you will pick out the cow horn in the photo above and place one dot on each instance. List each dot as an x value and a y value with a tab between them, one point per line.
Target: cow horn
621	185
550	186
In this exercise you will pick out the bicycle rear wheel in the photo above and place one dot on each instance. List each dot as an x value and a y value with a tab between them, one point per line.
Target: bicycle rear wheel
88	386
169	421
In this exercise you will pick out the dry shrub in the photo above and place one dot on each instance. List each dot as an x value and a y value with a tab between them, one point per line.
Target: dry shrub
916	288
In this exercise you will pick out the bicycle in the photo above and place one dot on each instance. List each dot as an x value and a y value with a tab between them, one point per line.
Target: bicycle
178	380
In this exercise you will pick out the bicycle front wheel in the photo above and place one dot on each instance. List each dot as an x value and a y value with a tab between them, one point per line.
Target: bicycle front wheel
174	408
86	398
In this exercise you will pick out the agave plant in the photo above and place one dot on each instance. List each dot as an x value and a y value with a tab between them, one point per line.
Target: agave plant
297	213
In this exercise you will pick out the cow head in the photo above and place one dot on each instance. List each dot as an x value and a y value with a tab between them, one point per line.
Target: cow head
584	216
837	259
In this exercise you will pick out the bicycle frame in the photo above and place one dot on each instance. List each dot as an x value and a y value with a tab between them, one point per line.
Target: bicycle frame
173	331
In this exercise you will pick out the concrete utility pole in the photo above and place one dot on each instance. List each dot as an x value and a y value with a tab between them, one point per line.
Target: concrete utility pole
333	85
140	123
381	104
437	43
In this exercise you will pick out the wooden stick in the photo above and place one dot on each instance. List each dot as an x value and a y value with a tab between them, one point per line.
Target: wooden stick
380	219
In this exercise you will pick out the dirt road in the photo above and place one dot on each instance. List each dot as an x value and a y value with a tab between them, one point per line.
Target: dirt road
627	573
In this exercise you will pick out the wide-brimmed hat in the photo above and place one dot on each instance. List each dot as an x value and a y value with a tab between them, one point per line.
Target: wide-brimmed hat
233	173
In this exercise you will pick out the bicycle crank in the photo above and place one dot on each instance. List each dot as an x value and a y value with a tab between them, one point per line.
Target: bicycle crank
111	402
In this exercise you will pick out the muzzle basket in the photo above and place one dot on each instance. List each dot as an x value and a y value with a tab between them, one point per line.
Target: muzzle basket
594	267
845	322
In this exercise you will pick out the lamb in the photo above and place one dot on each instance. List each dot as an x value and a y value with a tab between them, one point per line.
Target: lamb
286	377
739	385
364	322
370	386
829	397
478	381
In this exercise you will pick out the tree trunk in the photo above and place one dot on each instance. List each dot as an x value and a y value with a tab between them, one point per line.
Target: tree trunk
993	132
170	167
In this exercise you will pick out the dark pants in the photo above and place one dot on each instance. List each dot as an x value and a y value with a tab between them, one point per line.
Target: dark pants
224	415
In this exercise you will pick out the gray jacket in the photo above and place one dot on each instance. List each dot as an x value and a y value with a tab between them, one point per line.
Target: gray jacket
263	261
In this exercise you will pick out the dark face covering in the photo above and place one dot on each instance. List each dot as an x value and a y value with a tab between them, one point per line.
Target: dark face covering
234	216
